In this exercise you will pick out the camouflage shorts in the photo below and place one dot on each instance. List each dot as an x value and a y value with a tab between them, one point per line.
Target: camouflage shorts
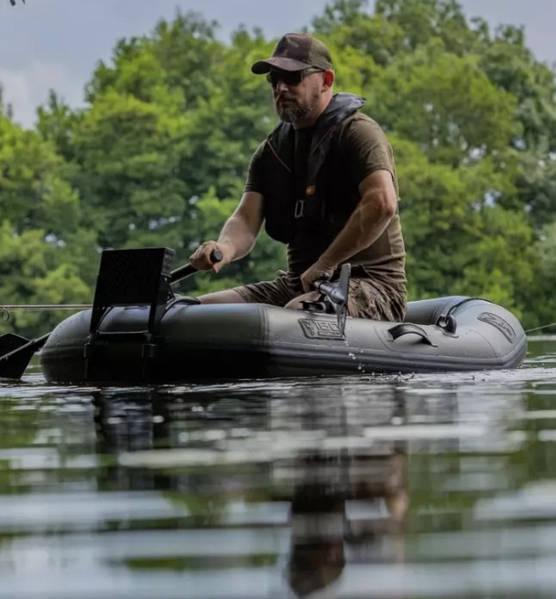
368	298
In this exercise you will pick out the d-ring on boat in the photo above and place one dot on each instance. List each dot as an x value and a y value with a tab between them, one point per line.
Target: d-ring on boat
138	331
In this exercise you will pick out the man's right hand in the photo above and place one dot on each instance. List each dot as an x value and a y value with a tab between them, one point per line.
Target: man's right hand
201	257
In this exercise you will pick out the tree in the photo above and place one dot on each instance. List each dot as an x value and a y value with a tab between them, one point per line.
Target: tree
44	254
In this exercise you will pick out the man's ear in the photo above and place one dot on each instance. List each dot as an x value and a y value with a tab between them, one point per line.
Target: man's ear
329	77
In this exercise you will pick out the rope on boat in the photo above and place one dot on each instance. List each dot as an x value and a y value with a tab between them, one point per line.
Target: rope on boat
544	326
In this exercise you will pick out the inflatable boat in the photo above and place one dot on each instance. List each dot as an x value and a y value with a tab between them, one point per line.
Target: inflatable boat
138	331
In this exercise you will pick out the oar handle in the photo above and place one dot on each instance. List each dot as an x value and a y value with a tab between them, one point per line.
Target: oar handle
186	270
331	291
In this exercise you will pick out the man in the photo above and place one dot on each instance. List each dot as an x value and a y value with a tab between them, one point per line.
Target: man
324	183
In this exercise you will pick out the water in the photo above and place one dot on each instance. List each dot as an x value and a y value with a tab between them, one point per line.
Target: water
392	487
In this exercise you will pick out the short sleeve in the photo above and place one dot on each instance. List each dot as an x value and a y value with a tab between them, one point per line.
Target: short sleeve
366	149
254	173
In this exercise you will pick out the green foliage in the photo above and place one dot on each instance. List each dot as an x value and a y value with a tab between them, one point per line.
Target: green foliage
128	151
460	239
159	155
32	192
45	256
445	103
546	247
545	298
36	271
57	124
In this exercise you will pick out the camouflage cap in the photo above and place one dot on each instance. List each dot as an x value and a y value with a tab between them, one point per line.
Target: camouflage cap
295	52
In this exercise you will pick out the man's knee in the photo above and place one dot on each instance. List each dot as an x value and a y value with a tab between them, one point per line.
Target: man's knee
226	296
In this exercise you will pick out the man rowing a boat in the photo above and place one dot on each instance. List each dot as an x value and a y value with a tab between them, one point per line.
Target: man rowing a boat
324	183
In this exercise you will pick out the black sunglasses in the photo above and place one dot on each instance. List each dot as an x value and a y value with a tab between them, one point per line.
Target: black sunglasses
290	78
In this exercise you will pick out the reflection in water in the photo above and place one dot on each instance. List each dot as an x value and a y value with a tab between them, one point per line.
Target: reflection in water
317	537
322	528
124	422
415	486
341	499
344	498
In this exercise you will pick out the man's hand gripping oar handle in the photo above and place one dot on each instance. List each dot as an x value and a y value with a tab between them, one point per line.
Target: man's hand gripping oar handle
185	271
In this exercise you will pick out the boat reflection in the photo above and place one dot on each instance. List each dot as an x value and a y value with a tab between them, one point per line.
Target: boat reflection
348	496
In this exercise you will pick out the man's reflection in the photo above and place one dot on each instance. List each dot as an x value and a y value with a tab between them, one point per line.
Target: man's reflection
318	514
345	504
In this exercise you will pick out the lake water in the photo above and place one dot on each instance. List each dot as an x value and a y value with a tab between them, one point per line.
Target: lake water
400	487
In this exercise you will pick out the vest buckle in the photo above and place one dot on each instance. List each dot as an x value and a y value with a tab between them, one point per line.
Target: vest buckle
299	209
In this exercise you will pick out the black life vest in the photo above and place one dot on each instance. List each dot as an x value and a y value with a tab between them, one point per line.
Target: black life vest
329	197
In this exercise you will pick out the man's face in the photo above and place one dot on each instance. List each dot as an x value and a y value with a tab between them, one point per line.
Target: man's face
296	101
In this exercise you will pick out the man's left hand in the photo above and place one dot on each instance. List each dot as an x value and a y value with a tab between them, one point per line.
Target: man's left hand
318	271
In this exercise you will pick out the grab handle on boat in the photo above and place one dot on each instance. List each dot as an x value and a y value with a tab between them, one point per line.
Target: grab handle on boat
407	328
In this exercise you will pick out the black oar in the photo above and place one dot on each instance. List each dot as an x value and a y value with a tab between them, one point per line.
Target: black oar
16	351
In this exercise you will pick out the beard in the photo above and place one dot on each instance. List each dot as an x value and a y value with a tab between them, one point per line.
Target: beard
293	110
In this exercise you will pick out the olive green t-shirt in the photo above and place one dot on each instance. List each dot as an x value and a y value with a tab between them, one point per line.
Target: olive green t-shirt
363	141
364	149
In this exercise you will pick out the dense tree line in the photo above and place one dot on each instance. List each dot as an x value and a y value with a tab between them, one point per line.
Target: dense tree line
159	154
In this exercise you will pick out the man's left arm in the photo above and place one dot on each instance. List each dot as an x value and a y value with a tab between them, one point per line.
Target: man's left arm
366	224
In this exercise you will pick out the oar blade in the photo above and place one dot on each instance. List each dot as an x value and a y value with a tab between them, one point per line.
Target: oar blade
11	341
16	353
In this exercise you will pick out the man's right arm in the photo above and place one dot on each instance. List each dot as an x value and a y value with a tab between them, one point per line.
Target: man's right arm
237	237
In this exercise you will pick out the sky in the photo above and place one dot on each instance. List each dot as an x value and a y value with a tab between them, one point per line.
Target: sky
56	44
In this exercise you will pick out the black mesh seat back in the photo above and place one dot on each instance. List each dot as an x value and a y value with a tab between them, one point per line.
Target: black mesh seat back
131	277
